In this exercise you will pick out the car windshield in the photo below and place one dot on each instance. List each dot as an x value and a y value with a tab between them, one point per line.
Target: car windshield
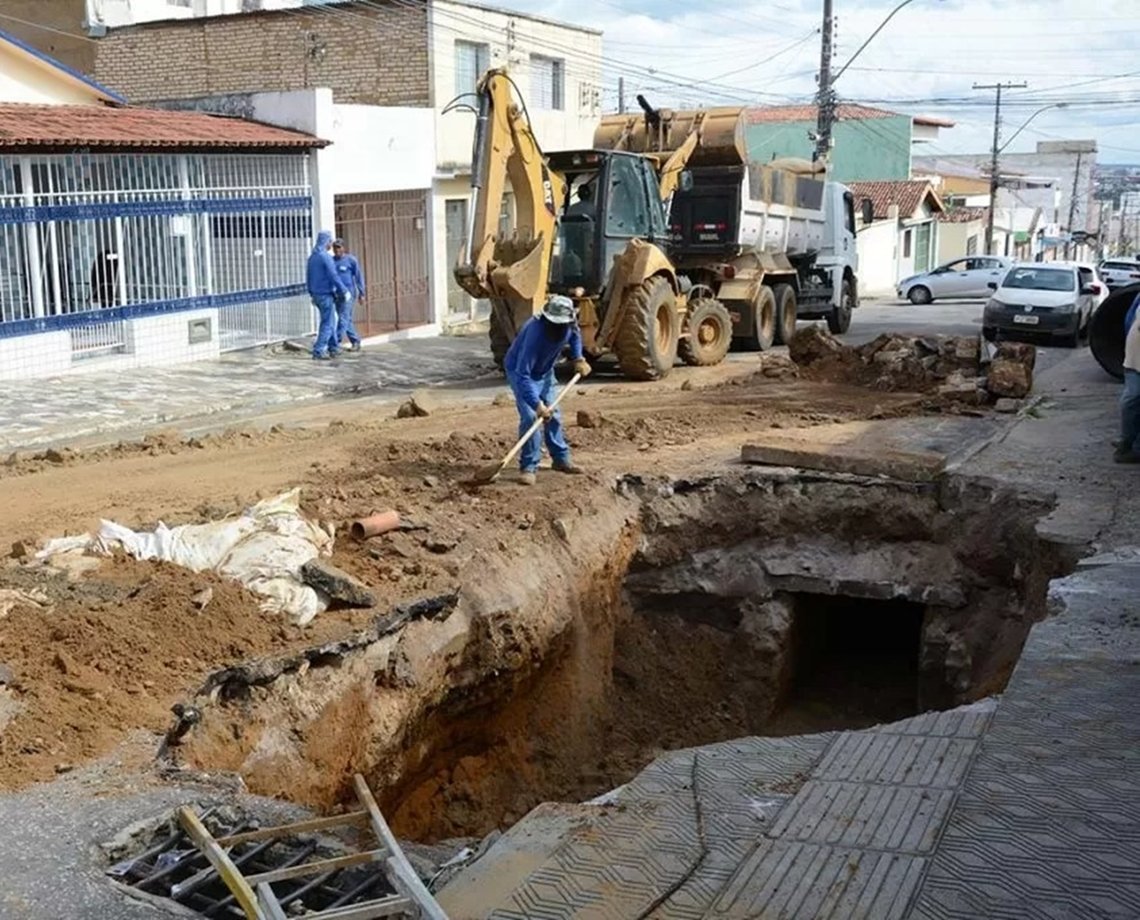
1040	279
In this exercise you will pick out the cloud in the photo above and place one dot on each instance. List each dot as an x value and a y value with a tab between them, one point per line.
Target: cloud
925	61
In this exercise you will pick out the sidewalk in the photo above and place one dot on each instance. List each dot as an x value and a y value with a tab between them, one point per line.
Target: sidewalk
37	413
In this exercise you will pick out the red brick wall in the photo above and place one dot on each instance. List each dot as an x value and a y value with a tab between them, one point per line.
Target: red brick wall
367	55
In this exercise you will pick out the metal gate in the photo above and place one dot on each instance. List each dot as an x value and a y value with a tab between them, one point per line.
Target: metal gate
922	248
387	232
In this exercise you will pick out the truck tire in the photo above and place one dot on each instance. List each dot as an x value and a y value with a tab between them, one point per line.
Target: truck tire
500	340
763	321
646	344
785	296
710	333
839	319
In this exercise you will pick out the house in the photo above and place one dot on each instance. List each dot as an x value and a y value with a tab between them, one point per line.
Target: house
868	143
902	237
375	77
134	237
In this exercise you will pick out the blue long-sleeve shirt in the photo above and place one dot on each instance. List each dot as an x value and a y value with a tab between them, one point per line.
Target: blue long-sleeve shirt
348	270
532	355
320	272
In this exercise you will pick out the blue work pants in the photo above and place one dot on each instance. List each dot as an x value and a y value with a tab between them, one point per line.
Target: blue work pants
344	323
326	331
551	430
1130	412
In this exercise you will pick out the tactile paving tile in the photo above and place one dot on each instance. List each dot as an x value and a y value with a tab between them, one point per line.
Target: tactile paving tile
909	760
1048	822
805	881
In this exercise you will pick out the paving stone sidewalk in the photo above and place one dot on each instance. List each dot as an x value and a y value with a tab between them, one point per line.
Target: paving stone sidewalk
37	413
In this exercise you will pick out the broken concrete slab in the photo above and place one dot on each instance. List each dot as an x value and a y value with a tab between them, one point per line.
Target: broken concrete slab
910	467
337	584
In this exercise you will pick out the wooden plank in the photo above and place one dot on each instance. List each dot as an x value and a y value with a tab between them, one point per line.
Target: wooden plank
391	906
269	903
353	819
220	860
405	879
315	868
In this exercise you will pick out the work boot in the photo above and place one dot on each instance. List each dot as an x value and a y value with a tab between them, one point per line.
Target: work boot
568	468
322	357
527	478
356	346
1126	456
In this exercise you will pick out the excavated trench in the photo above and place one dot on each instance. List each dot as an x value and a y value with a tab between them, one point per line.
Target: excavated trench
683	613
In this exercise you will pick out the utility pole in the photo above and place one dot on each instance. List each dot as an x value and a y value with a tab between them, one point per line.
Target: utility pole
825	96
994	153
621	95
1072	206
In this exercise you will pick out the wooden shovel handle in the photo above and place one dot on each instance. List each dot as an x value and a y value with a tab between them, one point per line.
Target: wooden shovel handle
538	421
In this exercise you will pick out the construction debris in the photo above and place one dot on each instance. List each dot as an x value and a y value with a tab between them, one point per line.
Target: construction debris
337	584
420	404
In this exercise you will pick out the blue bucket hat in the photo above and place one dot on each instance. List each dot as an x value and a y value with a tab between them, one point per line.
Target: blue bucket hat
559	310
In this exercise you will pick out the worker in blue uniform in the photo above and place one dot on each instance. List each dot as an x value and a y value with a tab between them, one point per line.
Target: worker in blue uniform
529	365
325	288
348	269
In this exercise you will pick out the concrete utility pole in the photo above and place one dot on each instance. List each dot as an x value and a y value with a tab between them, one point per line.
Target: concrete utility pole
825	96
621	95
1072	206
994	152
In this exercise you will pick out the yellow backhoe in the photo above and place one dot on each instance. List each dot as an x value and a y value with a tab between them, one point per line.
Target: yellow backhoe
593	225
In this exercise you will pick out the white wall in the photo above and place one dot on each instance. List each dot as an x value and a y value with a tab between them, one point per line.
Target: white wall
378	149
512	39
877	244
25	79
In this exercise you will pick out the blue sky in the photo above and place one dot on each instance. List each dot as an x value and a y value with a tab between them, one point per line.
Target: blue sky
925	61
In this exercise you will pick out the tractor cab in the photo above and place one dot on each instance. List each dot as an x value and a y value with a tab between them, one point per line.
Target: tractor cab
612	197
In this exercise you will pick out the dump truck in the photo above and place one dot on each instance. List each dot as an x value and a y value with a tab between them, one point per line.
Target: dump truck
590	224
773	242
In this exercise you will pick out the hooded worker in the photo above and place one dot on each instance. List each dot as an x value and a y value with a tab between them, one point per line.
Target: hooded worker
325	288
1128	449
530	372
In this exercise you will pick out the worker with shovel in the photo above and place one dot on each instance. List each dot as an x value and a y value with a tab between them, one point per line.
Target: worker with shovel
530	372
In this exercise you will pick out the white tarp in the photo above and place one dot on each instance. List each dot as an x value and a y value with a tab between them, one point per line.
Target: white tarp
262	549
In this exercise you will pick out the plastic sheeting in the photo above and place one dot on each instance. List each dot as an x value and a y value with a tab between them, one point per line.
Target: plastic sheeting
263	549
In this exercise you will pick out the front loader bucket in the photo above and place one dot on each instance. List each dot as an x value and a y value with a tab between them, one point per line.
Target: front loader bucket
722	140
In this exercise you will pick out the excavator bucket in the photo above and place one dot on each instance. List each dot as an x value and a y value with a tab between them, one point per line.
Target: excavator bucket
722	141
518	268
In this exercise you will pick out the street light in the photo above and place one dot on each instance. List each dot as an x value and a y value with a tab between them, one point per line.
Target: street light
826	113
995	172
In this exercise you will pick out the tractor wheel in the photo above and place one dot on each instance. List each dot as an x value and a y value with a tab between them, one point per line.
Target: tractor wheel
763	320
646	344
785	296
500	340
710	333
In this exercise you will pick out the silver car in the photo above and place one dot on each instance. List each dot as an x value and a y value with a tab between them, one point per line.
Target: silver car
968	277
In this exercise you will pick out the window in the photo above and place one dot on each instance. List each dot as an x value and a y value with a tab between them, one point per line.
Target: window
472	60
628	215
1041	279
546	82
972	245
906	244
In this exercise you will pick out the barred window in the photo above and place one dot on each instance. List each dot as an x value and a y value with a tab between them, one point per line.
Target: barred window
547	82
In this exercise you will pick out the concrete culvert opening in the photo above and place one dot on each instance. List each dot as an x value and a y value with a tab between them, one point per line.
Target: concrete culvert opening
753	604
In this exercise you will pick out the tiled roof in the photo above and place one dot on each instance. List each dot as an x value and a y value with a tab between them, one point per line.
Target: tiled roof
908	194
963	215
780	113
130	127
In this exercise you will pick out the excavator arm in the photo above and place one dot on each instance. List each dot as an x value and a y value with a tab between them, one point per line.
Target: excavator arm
509	269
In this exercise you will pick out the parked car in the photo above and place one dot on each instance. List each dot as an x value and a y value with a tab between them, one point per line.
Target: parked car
1120	272
1090	274
1043	299
968	277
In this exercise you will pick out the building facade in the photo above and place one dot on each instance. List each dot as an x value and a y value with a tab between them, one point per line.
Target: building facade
902	237
869	144
388	69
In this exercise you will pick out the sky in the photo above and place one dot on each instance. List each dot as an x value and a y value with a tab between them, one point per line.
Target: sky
925	61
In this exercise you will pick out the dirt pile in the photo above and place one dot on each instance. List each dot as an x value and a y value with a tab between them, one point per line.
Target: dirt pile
957	369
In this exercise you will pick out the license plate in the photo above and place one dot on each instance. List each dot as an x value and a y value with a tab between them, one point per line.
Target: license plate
1027	319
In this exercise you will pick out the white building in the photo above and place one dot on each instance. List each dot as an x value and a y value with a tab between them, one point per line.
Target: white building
902	238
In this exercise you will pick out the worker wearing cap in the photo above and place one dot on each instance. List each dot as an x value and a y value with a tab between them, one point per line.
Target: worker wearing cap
348	270
1128	450
530	371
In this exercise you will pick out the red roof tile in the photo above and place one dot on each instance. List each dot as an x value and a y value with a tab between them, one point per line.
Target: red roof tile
908	194
964	215
129	126
780	113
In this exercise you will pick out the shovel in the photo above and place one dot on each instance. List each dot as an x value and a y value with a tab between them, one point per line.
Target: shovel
491	472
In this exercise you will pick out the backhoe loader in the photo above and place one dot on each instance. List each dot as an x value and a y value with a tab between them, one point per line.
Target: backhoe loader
590	224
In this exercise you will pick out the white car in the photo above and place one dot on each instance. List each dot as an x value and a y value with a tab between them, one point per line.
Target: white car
1043	300
967	277
1120	272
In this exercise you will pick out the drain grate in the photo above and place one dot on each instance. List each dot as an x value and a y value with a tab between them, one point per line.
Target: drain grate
232	868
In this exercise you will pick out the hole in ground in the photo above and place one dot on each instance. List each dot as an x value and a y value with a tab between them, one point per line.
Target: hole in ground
737	607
